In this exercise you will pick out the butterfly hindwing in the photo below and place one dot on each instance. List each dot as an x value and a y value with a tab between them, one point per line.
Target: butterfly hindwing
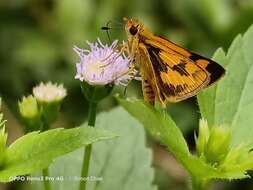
214	69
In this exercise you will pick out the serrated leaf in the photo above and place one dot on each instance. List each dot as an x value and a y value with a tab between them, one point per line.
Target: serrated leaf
123	163
36	151
231	100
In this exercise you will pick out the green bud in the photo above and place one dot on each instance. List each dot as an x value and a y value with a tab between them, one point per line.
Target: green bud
28	107
239	157
30	113
203	136
96	93
238	161
218	144
213	146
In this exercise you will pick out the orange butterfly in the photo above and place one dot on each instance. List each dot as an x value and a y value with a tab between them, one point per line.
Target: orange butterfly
169	72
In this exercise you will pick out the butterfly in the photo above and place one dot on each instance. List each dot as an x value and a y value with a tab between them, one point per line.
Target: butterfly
169	72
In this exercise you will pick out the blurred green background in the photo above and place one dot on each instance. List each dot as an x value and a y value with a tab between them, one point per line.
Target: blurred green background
37	36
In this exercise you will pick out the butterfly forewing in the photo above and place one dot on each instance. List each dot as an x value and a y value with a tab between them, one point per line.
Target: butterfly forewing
214	70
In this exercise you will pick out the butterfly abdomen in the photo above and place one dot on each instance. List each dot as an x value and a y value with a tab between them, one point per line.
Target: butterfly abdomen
148	92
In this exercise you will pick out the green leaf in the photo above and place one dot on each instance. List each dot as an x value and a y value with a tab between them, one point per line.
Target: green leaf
162	128
159	124
36	151
230	101
123	163
206	98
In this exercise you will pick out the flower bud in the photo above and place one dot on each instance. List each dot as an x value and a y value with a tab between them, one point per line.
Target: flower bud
214	148
28	107
218	144
239	157
203	136
49	93
30	113
49	97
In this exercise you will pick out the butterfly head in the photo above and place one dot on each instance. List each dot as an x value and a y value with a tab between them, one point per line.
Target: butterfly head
132	27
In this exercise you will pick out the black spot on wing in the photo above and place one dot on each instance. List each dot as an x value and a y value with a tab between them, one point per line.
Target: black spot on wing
156	61
162	67
166	89
195	57
180	68
216	71
174	90
158	67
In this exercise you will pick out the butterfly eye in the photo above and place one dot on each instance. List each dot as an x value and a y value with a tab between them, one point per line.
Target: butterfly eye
133	30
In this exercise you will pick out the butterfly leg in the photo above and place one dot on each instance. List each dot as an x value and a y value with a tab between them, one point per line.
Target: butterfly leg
148	93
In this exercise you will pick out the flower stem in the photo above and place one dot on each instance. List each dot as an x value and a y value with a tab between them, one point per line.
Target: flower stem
46	182
199	184
87	150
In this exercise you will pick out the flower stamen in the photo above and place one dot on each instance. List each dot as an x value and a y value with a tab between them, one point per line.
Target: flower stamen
103	64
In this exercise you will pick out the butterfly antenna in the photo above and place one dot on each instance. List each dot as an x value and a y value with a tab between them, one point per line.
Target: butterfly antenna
107	28
110	25
117	23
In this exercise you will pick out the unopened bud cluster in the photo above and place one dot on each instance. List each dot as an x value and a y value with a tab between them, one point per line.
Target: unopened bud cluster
40	110
213	145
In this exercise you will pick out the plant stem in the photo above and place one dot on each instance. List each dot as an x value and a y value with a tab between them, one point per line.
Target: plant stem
88	149
46	182
45	172
199	184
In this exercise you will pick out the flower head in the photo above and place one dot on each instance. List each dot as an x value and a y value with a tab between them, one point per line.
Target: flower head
49	92
103	64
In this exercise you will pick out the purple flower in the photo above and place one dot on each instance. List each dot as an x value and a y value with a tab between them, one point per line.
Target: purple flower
103	64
